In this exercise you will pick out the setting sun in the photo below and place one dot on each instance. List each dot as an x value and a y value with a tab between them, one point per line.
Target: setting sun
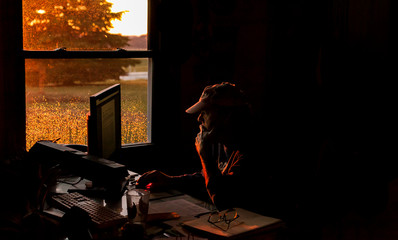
134	21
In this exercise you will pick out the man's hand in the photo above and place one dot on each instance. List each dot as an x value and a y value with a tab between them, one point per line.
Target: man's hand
156	178
204	142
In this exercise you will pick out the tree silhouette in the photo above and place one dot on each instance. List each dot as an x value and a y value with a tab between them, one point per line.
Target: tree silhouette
76	25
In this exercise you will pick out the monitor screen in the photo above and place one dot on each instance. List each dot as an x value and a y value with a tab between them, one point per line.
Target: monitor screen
104	123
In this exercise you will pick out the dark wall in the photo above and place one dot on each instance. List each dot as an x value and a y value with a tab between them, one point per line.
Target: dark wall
320	76
272	52
12	103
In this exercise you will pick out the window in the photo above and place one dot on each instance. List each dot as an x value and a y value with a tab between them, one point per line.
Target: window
69	56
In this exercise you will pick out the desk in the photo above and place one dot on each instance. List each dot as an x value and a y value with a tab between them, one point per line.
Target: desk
188	207
160	202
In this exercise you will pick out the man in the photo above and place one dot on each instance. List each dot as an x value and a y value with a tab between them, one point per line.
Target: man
222	143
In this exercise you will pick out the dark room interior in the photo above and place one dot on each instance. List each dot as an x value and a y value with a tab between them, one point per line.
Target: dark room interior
320	76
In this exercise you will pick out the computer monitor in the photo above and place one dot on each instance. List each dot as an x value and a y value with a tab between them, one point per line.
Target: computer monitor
104	123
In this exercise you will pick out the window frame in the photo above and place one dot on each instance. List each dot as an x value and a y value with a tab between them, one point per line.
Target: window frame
119	53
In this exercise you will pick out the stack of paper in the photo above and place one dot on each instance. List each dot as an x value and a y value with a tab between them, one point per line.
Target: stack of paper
248	224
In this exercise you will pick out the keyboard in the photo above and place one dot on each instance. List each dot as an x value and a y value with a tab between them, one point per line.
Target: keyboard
101	217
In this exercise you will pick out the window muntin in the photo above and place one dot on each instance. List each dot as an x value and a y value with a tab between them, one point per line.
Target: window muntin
59	83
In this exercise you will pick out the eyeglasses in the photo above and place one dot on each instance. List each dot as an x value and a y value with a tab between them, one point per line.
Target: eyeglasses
223	220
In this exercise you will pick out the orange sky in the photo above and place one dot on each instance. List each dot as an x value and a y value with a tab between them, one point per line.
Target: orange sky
133	22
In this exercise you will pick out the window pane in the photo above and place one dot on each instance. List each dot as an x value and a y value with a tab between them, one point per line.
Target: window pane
85	24
58	91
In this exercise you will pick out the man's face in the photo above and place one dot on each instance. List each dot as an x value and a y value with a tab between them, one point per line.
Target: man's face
207	118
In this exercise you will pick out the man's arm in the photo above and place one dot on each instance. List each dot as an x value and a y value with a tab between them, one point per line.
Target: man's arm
220	186
160	180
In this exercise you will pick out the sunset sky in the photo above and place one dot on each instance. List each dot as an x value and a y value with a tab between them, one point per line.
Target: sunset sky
133	22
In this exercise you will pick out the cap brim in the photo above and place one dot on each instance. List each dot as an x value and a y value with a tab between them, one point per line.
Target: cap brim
197	107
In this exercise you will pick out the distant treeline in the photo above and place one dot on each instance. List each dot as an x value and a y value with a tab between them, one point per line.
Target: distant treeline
66	72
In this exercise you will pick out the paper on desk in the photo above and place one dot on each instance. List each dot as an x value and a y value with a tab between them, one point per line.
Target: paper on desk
181	206
247	222
186	209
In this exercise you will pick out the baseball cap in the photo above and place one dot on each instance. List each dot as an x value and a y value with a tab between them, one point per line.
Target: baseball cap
223	94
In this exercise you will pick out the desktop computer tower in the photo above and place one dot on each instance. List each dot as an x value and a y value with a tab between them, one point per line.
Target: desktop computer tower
104	173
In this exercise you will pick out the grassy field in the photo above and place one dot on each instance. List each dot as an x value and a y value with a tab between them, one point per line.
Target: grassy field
61	112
